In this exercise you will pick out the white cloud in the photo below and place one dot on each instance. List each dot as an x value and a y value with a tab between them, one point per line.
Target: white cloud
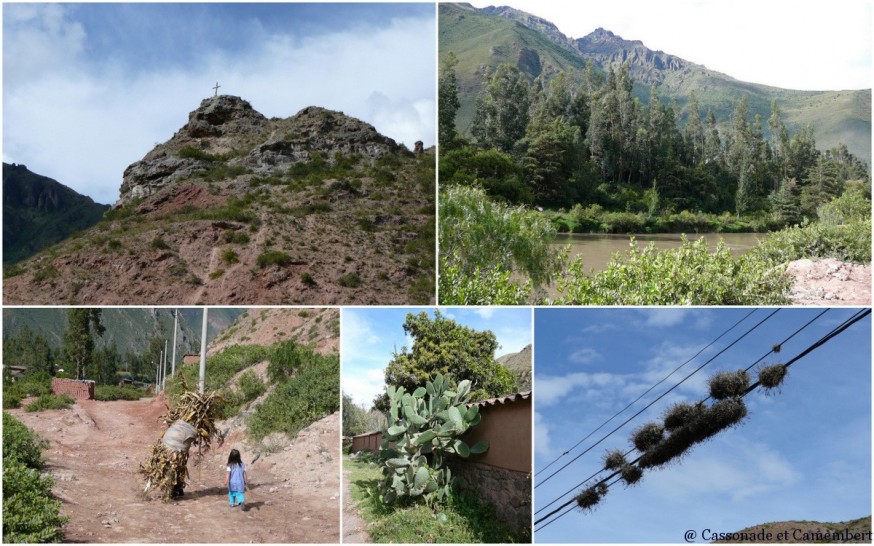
552	389
485	312
732	467
542	439
83	122
586	355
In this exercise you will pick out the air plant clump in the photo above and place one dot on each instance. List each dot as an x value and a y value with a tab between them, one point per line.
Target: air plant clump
776	348
591	496
680	414
631	474
772	377
646	436
614	460
721	415
729	384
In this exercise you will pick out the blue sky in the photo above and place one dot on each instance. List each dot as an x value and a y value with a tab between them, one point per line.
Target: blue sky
90	88
370	336
801	454
794	45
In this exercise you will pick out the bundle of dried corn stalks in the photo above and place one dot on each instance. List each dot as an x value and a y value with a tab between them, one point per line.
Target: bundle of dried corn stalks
191	423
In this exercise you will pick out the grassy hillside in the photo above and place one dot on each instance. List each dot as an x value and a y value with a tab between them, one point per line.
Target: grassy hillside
482	41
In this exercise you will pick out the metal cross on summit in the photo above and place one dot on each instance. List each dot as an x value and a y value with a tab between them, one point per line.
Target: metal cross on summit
216	88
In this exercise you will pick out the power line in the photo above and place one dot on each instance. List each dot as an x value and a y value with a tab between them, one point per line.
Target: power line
662	380
729	346
859	315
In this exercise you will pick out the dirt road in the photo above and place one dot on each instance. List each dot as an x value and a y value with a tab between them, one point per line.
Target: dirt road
96	449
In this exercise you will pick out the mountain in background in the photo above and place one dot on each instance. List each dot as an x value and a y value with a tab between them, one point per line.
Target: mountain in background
520	364
235	208
39	212
482	39
811	531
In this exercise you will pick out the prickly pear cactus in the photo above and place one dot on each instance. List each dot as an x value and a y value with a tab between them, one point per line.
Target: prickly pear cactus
424	426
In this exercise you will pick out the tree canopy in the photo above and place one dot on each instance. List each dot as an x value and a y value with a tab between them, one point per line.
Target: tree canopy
443	346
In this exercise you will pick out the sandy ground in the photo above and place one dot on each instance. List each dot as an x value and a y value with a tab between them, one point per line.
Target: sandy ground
96	449
830	282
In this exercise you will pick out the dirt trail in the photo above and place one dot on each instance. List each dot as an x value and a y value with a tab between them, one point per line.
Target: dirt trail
353	527
830	282
96	449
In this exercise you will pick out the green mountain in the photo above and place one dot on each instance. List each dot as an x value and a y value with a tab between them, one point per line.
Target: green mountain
130	329
39	212
482	39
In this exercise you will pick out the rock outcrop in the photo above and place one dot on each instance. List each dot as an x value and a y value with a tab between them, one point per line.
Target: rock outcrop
228	129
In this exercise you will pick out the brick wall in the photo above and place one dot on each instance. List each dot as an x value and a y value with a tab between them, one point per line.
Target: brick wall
80	390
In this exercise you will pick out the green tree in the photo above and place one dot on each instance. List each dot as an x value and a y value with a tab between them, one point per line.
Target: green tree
480	237
693	133
105	363
501	114
448	104
440	345
83	324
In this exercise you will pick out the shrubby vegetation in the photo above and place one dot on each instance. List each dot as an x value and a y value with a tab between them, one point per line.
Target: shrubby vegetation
30	511
605	161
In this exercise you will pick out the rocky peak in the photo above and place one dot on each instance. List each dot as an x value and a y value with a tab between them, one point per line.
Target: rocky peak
227	130
217	115
646	66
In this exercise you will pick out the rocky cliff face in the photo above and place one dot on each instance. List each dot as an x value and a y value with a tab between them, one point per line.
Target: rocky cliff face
228	128
318	208
646	65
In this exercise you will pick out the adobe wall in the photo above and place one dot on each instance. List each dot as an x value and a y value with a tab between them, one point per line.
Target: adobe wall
80	390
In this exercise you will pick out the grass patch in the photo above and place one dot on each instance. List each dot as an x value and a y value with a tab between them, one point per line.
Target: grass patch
307	279
349	280
464	519
158	243
274	257
237	237
50	401
107	393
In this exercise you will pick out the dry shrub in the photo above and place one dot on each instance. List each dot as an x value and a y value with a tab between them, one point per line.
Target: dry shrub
772	377
728	384
646	436
719	416
631	474
591	496
614	460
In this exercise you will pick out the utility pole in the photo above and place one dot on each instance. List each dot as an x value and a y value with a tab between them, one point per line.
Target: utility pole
164	366
157	378
173	360
202	383
160	378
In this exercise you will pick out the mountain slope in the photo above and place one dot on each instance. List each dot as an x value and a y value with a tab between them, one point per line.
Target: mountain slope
857	530
483	39
129	329
520	364
235	208
39	212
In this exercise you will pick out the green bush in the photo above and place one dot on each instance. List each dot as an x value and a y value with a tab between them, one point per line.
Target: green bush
50	401
251	385
849	242
11	401
286	358
222	367
312	393
21	444
30	512
158	243
274	257
107	393
190	152
237	237
349	280
307	279
35	384
689	275
229	256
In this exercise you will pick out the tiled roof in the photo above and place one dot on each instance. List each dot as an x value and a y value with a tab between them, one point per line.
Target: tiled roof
509	399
